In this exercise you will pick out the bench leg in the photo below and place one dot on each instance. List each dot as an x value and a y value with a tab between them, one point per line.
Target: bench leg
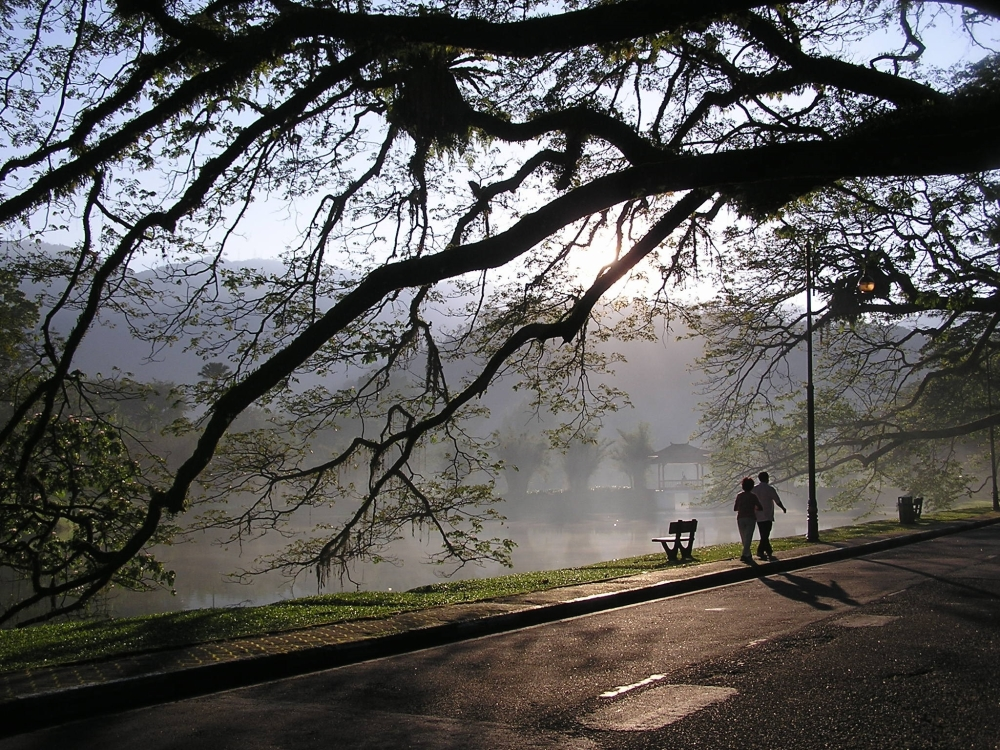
689	547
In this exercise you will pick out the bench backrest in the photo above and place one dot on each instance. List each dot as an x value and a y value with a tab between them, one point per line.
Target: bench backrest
683	527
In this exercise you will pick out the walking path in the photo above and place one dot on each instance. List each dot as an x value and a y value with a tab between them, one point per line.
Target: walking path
39	697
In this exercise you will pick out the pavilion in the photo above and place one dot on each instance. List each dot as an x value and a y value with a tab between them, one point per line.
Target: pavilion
680	466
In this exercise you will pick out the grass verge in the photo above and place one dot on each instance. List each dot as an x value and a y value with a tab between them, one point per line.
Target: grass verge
65	643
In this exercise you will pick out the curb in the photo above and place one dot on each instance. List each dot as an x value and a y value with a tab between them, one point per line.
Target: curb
60	706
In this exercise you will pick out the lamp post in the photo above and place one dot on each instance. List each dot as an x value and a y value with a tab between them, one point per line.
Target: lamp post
866	285
812	511
993	449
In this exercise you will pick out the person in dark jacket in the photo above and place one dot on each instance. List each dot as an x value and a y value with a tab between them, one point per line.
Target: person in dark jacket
746	508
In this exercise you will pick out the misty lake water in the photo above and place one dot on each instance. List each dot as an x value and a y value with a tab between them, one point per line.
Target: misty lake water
547	537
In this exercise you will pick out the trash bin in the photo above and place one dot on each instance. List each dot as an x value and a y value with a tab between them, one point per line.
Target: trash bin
907	513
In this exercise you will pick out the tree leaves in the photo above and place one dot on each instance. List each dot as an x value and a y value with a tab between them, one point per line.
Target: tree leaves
163	134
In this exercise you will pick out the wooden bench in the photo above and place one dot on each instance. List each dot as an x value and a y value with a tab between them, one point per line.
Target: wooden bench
680	538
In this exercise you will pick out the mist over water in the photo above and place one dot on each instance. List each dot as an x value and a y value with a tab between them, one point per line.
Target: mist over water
552	530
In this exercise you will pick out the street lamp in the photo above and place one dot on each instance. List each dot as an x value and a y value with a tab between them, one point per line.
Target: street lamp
993	449
866	285
812	511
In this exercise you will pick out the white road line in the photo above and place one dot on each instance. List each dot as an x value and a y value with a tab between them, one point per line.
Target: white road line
625	688
655	708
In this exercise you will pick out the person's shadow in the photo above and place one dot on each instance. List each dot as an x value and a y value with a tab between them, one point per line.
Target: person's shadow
800	589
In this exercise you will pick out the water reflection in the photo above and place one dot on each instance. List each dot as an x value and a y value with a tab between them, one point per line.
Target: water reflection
550	531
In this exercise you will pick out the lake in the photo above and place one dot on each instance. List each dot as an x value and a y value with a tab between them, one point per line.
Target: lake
550	529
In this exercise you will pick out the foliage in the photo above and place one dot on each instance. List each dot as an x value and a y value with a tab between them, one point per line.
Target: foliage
78	497
522	455
464	182
633	453
581	459
17	318
900	373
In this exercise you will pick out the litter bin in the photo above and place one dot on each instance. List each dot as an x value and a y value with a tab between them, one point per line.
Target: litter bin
907	513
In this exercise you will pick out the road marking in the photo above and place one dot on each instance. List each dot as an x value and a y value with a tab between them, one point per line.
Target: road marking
655	708
757	642
625	688
716	609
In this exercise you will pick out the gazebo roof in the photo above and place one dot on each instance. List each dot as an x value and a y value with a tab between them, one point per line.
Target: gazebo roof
681	453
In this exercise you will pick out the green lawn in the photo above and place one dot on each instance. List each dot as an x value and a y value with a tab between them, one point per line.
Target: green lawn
46	645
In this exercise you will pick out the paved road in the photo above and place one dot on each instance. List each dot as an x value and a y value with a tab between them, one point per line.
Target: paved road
895	650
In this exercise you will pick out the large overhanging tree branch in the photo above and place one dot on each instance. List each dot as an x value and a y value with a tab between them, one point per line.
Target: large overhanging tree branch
144	131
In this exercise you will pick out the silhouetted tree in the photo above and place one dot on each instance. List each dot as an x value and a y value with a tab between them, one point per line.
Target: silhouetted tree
581	460
215	371
900	371
18	316
162	131
633	453
522	454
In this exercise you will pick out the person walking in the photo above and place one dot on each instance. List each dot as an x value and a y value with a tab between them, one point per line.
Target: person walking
746	508
768	497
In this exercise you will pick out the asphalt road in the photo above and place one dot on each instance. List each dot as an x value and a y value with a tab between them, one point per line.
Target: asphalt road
895	650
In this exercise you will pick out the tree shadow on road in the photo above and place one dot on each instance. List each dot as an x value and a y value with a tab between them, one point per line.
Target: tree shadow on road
801	589
951	579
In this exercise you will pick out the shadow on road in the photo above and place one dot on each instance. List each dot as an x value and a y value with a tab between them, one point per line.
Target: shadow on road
801	589
951	580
